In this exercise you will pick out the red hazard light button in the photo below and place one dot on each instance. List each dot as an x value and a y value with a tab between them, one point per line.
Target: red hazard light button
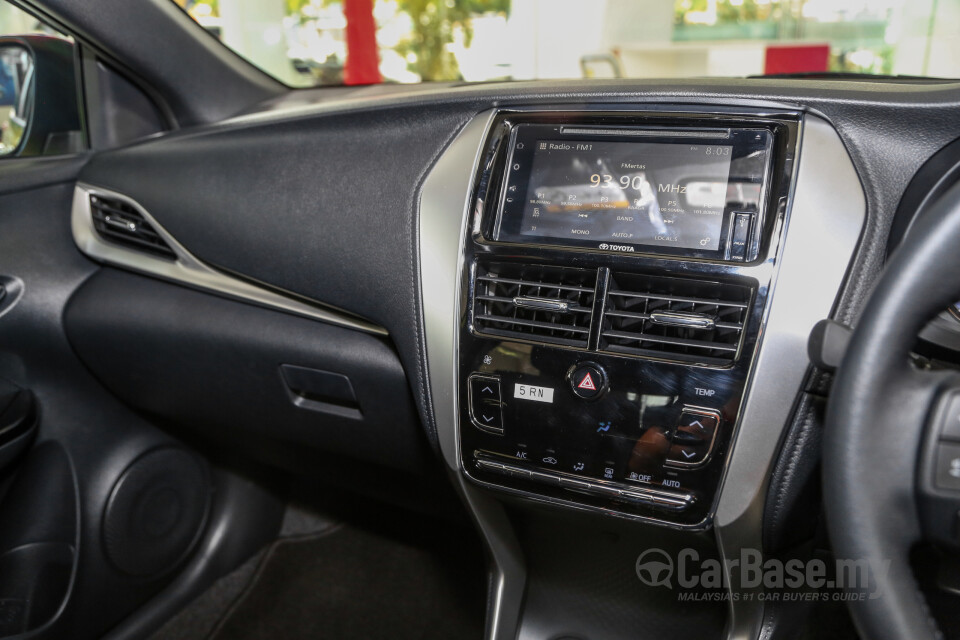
588	381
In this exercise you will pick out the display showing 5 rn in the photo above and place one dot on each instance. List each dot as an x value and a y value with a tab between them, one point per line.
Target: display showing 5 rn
605	181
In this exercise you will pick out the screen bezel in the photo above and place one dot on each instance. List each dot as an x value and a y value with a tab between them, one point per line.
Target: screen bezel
518	164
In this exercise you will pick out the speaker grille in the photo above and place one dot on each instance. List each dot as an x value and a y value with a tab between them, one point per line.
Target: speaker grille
156	512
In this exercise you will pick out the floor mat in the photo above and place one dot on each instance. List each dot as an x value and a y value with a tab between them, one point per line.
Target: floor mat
350	584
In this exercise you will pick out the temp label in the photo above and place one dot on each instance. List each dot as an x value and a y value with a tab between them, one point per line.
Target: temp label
530	392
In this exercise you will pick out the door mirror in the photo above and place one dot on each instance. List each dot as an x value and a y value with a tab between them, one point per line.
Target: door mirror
39	105
16	89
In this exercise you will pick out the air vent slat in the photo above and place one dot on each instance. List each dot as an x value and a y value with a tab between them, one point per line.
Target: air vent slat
106	208
729	325
673	298
531	323
571	309
122	224
536	284
495	311
127	239
685	342
634	302
628	314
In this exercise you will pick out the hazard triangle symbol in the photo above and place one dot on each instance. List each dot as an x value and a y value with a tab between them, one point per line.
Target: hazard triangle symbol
587	383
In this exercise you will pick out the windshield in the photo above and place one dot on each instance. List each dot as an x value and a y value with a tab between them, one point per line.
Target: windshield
307	43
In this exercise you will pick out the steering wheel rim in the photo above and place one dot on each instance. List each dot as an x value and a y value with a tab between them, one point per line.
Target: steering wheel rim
876	428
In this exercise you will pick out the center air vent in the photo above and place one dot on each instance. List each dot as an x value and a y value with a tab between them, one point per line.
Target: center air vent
122	224
674	318
536	302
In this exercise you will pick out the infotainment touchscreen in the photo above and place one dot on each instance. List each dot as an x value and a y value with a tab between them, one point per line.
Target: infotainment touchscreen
631	190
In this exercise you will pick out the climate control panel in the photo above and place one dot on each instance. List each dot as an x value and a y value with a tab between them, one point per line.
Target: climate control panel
637	436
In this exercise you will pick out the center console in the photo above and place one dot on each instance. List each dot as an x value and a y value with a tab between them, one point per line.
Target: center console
616	270
590	355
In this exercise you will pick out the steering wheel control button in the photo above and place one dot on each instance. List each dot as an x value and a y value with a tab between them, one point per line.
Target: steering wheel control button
947	474
950	418
588	381
486	406
693	438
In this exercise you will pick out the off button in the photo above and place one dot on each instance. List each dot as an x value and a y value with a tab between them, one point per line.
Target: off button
588	381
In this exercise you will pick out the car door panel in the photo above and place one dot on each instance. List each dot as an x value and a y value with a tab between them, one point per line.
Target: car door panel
86	439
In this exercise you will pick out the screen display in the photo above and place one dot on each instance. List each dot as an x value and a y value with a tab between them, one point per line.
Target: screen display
628	193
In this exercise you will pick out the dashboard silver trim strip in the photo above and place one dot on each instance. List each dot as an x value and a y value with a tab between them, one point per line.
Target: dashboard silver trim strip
444	209
824	223
187	269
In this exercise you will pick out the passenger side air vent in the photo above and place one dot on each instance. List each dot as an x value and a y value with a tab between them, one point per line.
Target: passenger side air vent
674	318
122	224
536	302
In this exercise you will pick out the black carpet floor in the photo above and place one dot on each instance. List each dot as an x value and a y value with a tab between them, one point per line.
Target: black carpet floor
351	584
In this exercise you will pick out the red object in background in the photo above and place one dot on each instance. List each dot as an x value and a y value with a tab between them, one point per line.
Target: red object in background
363	63
797	58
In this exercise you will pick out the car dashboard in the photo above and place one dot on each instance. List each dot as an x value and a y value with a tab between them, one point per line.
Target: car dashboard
583	306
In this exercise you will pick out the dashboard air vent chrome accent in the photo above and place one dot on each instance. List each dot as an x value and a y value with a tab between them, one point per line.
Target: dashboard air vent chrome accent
116	221
535	302
91	203
674	318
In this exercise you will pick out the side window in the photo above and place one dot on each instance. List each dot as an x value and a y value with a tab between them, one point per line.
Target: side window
39	102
